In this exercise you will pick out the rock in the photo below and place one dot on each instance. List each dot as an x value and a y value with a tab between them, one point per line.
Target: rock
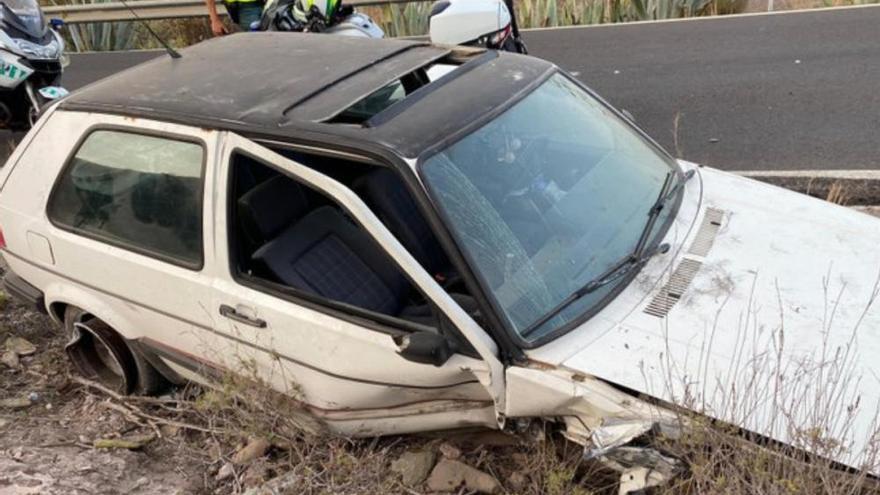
450	451
255	449
414	466
449	475
283	484
256	473
131	443
226	471
20	346
10	359
33	397
518	481
3	422
14	403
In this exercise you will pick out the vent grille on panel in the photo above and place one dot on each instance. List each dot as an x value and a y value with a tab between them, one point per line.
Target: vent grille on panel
708	230
674	288
685	272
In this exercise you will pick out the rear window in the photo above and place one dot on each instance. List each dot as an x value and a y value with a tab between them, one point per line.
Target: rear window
139	192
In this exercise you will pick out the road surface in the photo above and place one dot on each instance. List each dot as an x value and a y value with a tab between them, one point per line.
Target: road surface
798	90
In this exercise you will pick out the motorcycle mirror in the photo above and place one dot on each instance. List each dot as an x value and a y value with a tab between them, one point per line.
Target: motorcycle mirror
56	23
424	347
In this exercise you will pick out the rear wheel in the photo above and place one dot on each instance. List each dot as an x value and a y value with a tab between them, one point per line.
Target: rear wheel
99	353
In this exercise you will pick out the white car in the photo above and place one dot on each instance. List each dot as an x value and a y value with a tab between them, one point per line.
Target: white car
407	253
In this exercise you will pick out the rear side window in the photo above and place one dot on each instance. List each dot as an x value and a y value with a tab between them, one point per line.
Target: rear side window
142	193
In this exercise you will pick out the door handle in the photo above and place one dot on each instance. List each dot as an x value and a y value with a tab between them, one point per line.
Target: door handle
234	315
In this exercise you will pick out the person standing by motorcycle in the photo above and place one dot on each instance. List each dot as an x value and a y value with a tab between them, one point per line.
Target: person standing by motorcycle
242	12
318	16
313	16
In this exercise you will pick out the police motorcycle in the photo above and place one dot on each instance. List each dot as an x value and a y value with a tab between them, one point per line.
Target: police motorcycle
321	16
485	23
31	62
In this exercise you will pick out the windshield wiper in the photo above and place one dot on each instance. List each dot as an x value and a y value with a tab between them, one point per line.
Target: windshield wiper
628	263
618	270
666	193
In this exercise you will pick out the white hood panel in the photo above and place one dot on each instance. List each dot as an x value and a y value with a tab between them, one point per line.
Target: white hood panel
777	330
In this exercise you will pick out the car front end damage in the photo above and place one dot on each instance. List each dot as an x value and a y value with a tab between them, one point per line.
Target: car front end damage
610	423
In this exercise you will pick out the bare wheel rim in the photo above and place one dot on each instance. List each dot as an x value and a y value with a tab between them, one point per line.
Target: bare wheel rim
99	353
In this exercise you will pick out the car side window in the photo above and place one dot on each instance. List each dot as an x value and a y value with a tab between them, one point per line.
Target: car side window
139	192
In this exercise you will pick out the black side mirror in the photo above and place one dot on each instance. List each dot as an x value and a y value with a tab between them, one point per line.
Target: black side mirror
424	347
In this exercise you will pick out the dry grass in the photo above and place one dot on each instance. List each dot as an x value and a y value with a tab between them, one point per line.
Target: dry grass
838	194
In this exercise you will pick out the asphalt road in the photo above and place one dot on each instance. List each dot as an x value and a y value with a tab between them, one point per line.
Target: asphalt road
759	92
784	91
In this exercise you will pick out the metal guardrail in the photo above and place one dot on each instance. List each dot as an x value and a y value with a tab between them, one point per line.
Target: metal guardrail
154	9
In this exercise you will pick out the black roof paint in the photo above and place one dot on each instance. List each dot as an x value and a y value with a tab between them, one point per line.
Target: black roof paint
282	85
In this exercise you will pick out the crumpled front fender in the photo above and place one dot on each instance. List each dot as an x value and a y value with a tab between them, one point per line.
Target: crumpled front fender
602	418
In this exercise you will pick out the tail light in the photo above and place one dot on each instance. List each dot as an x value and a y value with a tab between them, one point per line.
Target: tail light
2	239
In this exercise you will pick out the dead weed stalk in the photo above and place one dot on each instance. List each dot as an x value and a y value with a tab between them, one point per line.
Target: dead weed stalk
810	397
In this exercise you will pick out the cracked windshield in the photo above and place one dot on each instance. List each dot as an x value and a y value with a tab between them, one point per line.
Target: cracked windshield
545	198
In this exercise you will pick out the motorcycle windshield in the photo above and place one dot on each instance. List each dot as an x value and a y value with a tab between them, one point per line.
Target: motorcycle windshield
27	16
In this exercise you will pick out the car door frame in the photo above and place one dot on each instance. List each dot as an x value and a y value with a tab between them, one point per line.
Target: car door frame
492	376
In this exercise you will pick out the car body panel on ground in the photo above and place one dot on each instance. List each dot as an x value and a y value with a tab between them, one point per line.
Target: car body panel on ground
769	318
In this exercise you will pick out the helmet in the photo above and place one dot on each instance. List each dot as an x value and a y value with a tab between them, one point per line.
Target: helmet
316	12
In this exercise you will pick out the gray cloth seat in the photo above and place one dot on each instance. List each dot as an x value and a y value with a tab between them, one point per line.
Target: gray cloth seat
326	255
270	207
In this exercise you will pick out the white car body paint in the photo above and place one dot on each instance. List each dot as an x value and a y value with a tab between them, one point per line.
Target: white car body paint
349	377
783	294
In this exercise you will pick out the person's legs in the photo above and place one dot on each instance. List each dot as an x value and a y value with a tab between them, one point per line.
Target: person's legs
248	13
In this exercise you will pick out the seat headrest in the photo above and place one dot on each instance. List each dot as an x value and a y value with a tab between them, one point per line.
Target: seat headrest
385	192
271	206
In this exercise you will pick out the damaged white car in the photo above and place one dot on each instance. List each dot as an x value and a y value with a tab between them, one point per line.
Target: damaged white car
410	237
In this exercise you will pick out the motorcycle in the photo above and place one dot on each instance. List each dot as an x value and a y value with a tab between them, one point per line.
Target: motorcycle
278	16
31	62
485	23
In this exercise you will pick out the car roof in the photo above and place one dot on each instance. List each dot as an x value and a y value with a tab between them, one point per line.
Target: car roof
288	87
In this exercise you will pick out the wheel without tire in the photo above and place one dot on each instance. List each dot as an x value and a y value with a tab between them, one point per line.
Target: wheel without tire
100	353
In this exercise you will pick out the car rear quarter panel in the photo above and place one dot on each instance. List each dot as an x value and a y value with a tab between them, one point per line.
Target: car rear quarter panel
83	271
26	181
